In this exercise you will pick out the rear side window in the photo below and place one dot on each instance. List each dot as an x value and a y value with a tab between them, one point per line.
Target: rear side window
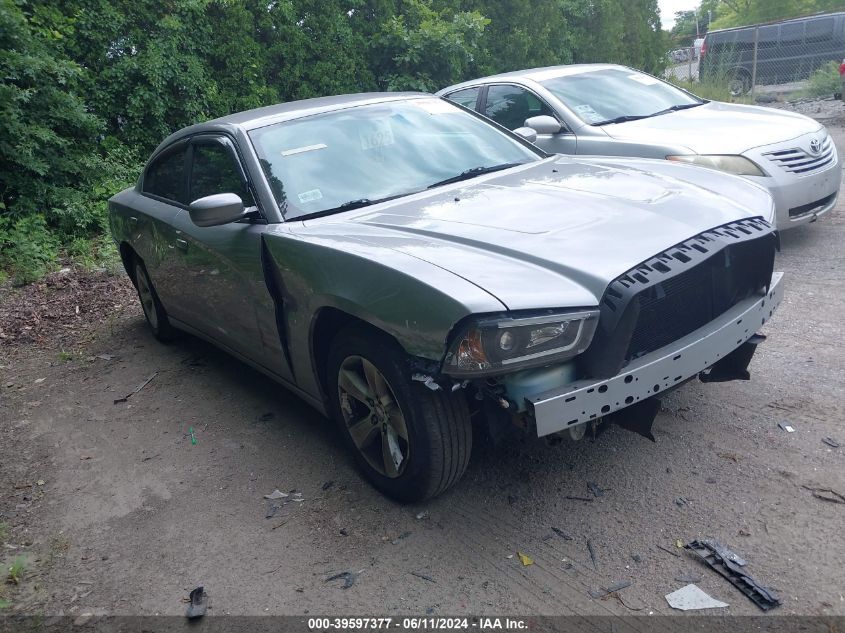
511	105
165	178
215	171
467	97
792	33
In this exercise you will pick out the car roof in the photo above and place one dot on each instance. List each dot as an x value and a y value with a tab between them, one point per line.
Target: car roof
268	115
535	74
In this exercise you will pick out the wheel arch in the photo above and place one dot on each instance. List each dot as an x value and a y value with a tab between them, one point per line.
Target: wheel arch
127	256
325	324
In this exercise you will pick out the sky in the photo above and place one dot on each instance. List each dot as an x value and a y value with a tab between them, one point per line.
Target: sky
669	7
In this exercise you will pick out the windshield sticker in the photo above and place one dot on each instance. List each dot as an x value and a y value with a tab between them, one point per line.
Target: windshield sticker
435	106
310	196
305	148
644	79
586	112
378	133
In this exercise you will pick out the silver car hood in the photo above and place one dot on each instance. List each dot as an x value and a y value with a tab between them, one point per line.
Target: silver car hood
555	233
716	128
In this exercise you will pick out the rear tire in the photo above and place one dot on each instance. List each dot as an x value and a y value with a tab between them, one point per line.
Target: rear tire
740	84
154	312
411	443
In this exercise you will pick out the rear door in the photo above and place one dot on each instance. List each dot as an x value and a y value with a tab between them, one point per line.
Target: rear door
224	280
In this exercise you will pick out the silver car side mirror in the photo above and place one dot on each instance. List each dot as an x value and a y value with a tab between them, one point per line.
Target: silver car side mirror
527	133
544	124
221	208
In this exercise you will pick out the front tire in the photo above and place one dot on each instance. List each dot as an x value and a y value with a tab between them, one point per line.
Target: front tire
411	443
154	312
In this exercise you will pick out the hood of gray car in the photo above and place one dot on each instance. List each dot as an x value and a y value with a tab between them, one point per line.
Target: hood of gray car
716	128
555	233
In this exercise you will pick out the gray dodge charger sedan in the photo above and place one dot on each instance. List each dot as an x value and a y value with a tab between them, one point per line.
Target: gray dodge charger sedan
604	109
401	264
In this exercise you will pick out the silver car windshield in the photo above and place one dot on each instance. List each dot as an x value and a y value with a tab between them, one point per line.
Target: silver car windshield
616	95
350	158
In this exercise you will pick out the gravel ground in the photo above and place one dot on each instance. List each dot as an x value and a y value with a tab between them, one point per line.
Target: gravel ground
116	511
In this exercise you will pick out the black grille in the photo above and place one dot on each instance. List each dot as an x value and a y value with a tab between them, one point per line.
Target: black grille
794	212
679	291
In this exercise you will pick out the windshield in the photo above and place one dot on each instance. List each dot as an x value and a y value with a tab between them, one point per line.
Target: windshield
361	155
601	96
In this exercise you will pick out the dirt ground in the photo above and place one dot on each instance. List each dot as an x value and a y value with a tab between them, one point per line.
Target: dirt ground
115	510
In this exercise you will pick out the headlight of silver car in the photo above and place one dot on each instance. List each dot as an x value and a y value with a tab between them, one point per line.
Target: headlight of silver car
738	165
499	344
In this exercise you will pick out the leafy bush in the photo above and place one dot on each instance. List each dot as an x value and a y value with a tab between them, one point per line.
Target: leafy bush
824	82
28	250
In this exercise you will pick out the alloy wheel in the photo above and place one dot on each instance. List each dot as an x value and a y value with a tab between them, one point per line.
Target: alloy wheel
373	418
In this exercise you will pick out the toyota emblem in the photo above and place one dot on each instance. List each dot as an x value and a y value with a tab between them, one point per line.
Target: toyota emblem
815	146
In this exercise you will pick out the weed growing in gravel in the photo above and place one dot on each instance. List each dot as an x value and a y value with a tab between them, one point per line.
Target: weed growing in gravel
17	570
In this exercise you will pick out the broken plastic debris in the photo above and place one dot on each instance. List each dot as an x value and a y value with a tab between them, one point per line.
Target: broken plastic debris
349	578
193	437
786	427
690	598
595	489
422	515
830	442
276	494
199	603
730	570
525	559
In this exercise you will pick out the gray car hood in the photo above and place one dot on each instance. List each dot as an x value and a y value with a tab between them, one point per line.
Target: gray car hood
716	128
556	232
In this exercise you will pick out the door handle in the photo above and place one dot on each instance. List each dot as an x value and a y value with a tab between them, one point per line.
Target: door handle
181	244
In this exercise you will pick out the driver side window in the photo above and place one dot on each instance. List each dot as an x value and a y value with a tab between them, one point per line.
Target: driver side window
509	106
214	171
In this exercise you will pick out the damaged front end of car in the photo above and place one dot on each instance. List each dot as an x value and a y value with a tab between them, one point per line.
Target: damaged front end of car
690	311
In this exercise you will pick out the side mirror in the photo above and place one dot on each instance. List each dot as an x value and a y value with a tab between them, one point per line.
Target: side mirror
221	208
527	133
544	124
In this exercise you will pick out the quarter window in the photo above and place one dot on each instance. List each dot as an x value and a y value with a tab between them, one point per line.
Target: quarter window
511	105
467	97
165	178
215	171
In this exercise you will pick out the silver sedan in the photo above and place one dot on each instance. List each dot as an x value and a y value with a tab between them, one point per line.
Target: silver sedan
605	109
402	264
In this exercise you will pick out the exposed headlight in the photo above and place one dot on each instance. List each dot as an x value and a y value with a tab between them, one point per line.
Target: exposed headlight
738	165
500	344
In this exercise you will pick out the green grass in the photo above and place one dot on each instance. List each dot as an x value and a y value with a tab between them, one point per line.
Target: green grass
713	90
16	571
4	531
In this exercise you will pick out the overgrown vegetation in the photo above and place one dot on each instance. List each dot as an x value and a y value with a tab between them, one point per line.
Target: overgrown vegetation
89	87
714	89
823	82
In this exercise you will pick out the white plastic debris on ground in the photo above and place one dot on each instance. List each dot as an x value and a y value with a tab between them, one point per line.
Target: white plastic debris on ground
690	598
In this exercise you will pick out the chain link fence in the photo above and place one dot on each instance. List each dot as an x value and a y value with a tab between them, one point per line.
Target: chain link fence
783	60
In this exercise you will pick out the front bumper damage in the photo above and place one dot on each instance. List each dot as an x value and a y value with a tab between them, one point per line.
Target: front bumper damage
729	335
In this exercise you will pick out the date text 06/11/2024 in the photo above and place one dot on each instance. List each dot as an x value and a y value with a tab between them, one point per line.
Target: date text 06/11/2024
415	624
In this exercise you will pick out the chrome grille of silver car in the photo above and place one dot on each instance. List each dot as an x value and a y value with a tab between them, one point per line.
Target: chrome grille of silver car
798	161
